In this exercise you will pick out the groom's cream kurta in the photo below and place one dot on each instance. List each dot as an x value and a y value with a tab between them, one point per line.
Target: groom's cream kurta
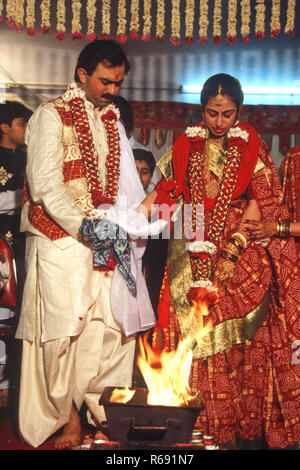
72	345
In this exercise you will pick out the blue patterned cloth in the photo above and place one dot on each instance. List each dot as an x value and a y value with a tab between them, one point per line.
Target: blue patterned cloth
105	239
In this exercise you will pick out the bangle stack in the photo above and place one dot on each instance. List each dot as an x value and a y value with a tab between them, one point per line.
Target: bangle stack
238	236
229	256
283	228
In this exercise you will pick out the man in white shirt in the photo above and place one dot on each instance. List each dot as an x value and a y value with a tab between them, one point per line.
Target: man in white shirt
80	308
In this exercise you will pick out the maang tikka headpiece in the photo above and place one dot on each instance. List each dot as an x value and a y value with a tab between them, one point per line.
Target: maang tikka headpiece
219	97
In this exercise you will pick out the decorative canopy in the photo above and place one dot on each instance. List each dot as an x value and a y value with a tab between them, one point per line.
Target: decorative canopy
172	20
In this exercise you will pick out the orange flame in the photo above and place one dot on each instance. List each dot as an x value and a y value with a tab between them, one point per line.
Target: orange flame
166	373
121	395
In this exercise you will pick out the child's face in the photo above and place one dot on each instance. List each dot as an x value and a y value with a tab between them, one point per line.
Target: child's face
144	172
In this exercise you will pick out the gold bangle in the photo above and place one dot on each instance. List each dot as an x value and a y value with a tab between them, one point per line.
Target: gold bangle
241	238
237	243
283	228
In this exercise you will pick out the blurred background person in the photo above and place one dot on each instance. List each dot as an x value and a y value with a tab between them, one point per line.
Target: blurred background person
13	122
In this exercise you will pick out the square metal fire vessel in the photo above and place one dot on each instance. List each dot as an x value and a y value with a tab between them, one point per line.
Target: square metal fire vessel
138	422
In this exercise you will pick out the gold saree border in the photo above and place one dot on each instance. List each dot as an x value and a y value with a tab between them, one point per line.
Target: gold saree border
232	332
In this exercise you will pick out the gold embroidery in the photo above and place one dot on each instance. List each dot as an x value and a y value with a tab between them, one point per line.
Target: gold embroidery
259	165
213	163
9	237
165	164
78	189
4	176
216	160
233	331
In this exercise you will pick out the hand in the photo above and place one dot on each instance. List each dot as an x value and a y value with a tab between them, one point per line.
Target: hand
259	230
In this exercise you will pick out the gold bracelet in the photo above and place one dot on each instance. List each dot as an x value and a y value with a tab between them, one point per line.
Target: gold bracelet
283	228
241	238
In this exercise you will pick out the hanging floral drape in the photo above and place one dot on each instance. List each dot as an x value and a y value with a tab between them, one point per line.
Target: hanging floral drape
172	20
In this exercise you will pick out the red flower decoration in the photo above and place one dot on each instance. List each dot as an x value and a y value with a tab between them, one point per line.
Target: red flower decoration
1	19
246	39
60	35
146	37
45	29
121	38
217	39
76	35
134	35
175	41
159	38
259	35
91	37
290	34
10	23
105	36
203	40
188	40
230	40
30	31
275	33
19	27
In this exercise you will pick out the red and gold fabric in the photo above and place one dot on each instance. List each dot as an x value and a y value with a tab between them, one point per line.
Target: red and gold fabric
290	172
243	367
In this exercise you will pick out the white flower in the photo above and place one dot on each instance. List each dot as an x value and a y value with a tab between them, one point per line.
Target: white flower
206	283
195	131
200	247
238	132
110	107
73	91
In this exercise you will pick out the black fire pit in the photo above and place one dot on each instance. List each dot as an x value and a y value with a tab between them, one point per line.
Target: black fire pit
137	422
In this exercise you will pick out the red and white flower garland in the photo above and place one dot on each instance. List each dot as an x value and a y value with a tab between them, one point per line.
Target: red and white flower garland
75	97
201	252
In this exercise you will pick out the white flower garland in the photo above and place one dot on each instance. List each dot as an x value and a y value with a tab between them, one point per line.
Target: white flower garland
260	19
106	18
160	19
290	22
204	283
203	20
19	14
147	20
10	12
134	20
121	18
175	22
231	23
217	19
202	247
76	26
30	18
195	131
189	19
45	9
245	18
61	19
91	15
237	132
275	18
